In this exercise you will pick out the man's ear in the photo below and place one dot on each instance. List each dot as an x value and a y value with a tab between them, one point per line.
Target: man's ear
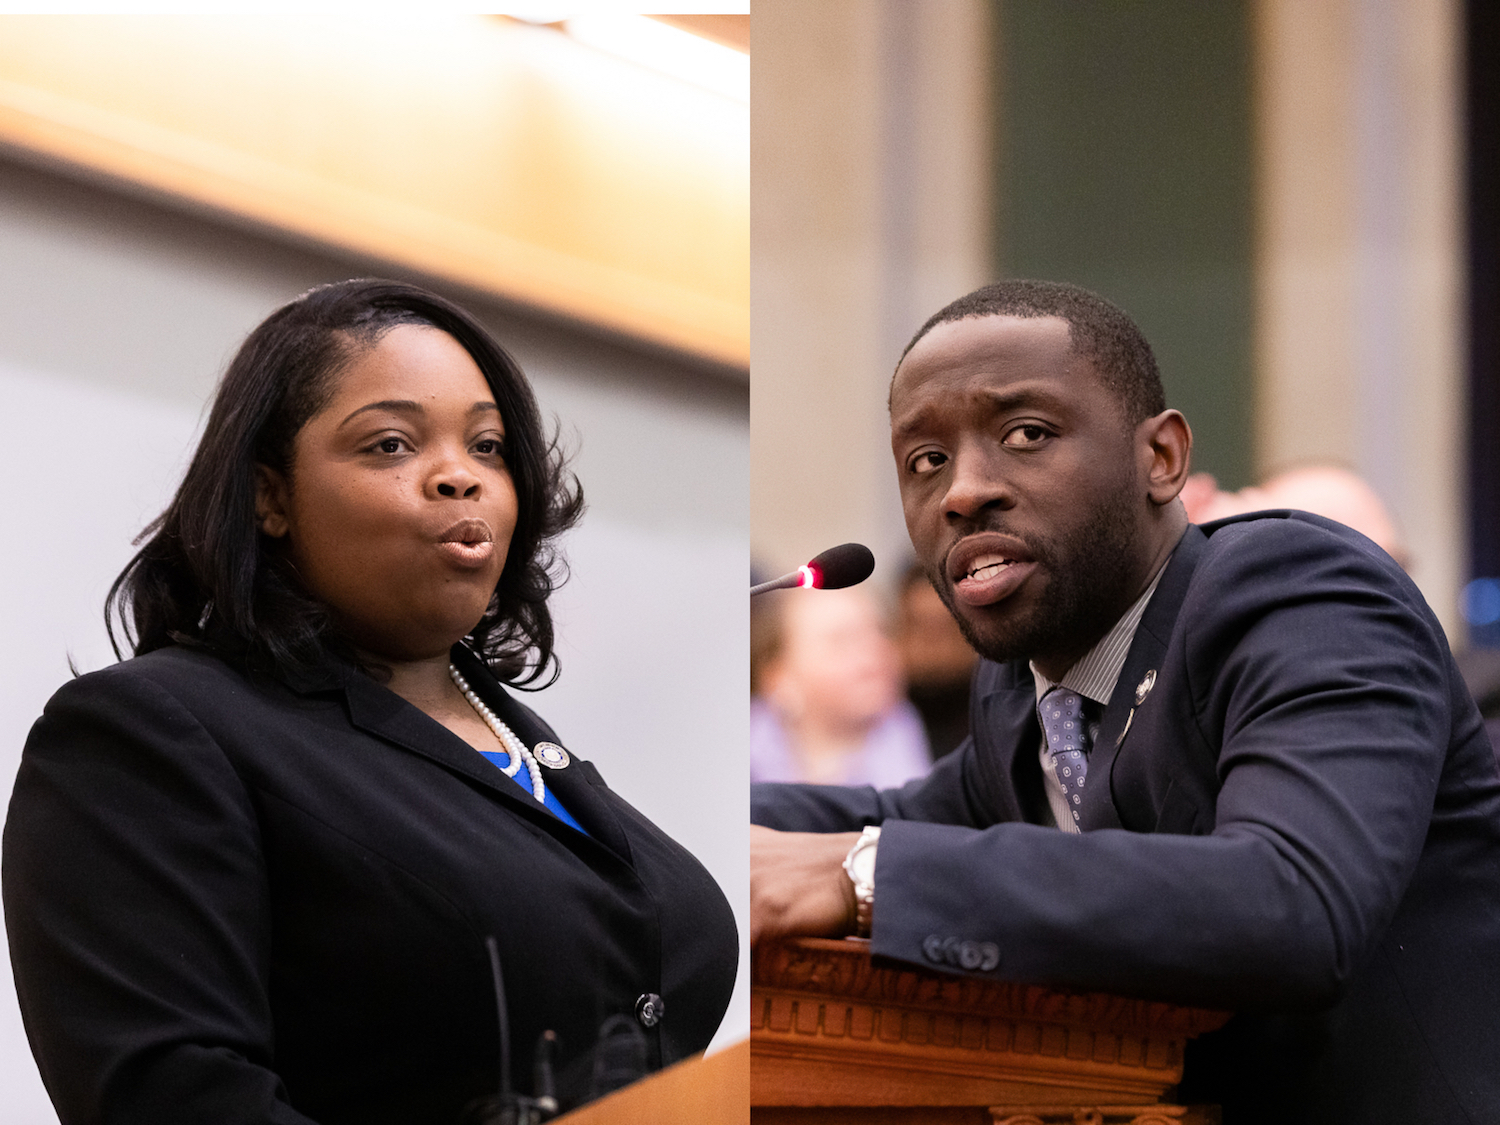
1165	443
271	502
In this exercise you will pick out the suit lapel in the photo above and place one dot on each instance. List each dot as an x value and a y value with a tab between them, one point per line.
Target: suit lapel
387	716
1013	740
578	785
1137	678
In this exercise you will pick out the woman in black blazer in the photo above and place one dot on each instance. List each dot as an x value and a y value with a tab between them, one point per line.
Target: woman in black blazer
273	869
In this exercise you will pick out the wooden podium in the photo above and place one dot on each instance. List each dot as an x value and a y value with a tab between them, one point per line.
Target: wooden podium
837	1040
701	1091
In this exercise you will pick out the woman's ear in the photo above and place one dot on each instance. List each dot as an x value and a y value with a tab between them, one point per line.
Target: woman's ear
1165	443
271	502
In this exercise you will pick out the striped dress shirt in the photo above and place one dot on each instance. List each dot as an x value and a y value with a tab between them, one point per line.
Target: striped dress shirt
1094	678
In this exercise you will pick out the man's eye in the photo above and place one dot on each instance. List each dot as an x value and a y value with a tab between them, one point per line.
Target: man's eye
1025	435
927	461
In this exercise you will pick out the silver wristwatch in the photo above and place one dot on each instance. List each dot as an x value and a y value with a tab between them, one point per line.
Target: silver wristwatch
859	865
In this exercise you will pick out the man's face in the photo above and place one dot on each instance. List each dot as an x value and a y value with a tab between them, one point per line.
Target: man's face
1023	487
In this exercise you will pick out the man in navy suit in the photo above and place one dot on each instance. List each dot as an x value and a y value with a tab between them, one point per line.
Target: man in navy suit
1231	766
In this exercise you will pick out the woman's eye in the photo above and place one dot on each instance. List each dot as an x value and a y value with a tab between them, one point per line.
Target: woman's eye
490	447
390	445
1025	435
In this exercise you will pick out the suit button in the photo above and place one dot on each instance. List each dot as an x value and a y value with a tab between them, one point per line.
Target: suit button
969	957
950	951
649	1009
989	956
932	948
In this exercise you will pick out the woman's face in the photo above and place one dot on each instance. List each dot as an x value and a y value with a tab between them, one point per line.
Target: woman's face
399	508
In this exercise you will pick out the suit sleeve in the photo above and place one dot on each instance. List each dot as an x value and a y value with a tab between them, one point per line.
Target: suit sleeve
956	790
1312	693
948	794
136	909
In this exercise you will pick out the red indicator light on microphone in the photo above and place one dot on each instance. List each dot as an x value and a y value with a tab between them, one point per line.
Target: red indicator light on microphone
845	565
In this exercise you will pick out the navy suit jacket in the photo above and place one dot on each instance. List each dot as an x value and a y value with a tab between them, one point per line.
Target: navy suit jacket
1300	821
237	900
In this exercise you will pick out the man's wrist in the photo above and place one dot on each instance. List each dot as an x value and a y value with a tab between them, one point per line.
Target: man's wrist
859	866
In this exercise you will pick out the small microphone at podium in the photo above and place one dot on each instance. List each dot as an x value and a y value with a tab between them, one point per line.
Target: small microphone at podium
848	564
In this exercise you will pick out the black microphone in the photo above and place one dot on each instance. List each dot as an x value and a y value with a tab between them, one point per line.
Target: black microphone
507	1107
544	1086
848	564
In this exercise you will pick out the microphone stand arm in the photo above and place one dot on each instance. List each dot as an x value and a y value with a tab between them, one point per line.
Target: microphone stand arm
785	582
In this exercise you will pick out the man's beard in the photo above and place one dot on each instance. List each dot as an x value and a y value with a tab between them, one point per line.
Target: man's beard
1088	588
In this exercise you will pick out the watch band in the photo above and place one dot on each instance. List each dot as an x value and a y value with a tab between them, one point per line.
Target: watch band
859	865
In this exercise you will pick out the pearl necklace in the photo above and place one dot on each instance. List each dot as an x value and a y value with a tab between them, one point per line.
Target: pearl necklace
507	738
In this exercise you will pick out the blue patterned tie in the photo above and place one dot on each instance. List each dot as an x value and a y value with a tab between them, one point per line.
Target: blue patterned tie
1068	741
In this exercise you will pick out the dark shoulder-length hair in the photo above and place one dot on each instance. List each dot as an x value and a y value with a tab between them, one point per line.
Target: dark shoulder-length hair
207	576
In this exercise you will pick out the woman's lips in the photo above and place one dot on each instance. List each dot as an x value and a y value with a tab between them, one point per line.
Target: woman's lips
467	554
470	543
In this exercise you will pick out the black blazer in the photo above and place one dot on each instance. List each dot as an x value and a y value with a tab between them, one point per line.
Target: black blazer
1300	821
234	899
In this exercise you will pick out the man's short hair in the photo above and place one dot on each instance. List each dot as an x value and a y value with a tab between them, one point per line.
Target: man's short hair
1101	332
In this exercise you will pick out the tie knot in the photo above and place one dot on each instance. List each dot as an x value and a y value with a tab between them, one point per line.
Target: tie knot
1064	722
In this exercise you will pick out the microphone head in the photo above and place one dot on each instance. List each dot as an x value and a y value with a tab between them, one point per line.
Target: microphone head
848	564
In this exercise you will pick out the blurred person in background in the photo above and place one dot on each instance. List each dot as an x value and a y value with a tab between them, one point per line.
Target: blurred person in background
1329	491
938	662
827	704
1337	493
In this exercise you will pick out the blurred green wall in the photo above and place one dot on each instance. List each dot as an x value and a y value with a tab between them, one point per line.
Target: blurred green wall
1124	165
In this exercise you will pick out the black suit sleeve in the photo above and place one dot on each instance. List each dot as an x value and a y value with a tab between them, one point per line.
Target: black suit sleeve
946	795
136	905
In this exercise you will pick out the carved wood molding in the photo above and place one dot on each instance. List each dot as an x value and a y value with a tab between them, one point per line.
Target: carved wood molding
823	1013
844	969
1102	1115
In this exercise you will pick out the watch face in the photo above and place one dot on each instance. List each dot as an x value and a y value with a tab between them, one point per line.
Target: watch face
863	865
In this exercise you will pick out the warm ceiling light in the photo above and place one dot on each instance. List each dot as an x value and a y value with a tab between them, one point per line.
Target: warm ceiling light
651	43
540	13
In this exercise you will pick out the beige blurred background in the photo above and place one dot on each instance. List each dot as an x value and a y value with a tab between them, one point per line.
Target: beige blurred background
1273	188
166	182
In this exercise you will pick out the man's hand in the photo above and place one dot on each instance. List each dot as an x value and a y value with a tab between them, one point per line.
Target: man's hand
798	885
